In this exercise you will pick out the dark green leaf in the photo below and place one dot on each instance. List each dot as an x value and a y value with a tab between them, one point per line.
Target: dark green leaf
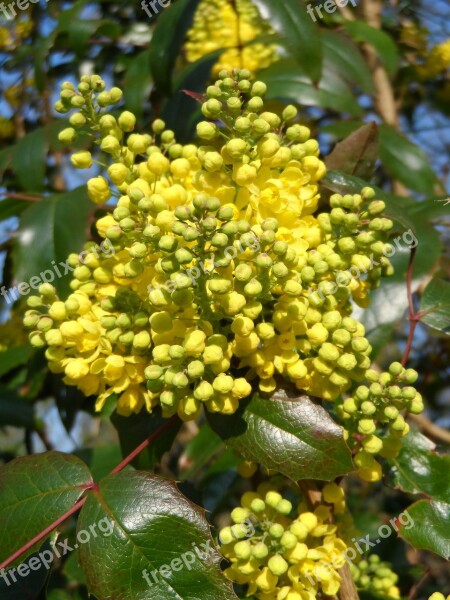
49	231
137	82
418	469
14	357
431	528
290	19
11	208
29	160
380	40
295	437
28	587
356	154
285	80
435	305
135	429
14	410
101	459
167	39
342	55
201	449
155	532
37	490
405	161
182	112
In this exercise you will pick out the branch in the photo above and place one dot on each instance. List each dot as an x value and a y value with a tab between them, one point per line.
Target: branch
76	507
413	316
430	428
40	536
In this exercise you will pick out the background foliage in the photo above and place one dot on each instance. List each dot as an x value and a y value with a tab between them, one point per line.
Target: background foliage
352	68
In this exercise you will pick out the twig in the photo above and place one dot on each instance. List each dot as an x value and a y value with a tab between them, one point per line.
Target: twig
413	316
24	197
126	461
434	431
40	536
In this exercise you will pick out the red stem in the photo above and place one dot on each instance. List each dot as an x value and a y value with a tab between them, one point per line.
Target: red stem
413	316
126	461
43	534
76	507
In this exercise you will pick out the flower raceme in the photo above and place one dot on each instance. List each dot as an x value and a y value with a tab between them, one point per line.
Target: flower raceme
240	210
220	24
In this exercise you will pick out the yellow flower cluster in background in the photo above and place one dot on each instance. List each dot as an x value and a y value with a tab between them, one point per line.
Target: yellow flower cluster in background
372	575
218	256
233	25
436	62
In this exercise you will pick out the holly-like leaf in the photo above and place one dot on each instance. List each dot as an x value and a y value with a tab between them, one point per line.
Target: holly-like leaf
431	527
159	544
37	490
29	160
167	39
14	357
418	469
302	38
345	57
15	410
287	81
435	305
49	231
380	40
294	436
357	153
405	161
134	429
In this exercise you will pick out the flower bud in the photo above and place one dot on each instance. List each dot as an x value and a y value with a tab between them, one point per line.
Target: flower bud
82	160
127	121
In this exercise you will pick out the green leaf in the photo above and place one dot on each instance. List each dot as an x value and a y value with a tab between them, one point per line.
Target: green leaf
201	449
342	55
182	112
25	588
356	154
29	160
286	81
15	410
302	38
135	429
168	37
14	357
101	459
137	82
9	207
405	161
380	40
49	231
293	436
37	490
418	469
431	528
435	305
155	532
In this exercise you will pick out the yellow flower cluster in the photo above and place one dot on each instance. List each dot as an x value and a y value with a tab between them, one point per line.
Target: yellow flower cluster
437	61
7	128
438	596
291	555
217	260
373	415
234	25
12	36
372	575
